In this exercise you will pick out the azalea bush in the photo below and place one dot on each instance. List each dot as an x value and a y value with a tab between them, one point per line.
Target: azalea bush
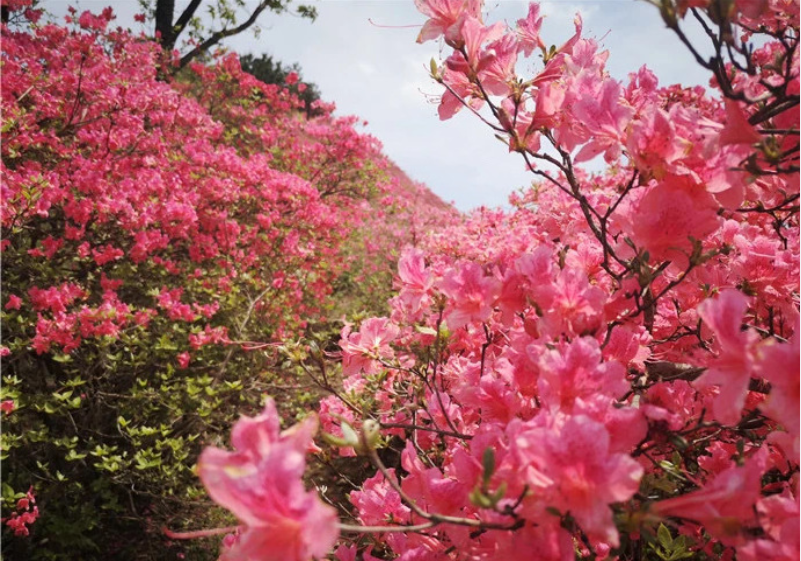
156	234
610	370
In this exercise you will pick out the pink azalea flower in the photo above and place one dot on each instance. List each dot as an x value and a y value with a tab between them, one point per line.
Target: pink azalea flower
475	34
472	293
415	278
738	130
497	67
732	368
571	468
7	406
668	215
605	116
528	30
183	360
446	17
14	302
779	364
576	306
574	372
725	504
260	483
459	86
429	488
378	503
361	351
654	144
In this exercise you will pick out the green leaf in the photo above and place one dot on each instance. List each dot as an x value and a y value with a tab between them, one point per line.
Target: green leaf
72	456
664	537
8	492
425	330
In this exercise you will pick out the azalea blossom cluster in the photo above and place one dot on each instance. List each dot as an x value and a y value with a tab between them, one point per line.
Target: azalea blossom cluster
611	369
76	155
153	228
26	512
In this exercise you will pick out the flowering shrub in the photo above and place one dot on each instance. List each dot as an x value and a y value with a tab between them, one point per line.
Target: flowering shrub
152	232
609	370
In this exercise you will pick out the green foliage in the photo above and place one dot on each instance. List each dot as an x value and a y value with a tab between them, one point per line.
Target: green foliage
667	548
113	431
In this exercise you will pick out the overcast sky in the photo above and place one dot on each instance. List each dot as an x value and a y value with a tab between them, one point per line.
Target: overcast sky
363	56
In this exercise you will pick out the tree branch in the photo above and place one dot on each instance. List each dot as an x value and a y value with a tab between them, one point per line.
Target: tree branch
183	19
218	36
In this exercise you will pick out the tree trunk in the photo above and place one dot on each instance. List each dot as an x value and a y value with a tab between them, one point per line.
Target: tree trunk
165	11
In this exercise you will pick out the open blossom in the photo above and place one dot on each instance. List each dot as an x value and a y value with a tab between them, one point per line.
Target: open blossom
738	130
605	116
361	351
473	294
475	34
575	306
378	503
415	278
571	468
429	488
779	517
445	17
574	372
669	215
184	359
260	483
528	30
725	504
653	143
779	364
731	369
14	302
460	88
497	67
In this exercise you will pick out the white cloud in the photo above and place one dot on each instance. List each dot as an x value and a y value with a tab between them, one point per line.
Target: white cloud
365	68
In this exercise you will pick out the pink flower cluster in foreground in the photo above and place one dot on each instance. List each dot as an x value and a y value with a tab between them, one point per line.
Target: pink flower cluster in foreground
260	482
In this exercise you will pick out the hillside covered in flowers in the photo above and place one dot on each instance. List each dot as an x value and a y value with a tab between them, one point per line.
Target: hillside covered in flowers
160	238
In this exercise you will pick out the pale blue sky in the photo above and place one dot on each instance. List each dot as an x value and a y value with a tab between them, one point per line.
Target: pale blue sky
363	56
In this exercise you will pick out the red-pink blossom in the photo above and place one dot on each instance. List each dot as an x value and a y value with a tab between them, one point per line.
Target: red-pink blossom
363	351
260	483
571	468
574	371
723	505
14	302
472	294
445	17
669	216
733	366
528	30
